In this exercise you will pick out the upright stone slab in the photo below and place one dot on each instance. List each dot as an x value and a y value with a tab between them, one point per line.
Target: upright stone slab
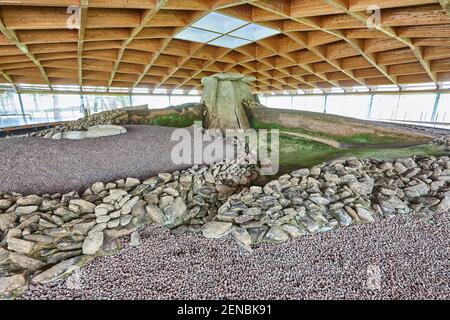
223	96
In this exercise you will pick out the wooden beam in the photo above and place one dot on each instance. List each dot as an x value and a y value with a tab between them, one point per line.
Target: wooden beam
215	5
284	10
363	18
146	17
12	37
81	32
445	4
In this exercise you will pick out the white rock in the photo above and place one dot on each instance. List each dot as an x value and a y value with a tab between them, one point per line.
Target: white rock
19	245
5	204
132	182
216	229
135	239
276	234
24	210
12	283
29	200
98	187
83	205
128	206
364	215
93	242
7	221
57	271
155	214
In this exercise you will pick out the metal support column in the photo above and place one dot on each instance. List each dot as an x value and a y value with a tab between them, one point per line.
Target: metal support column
435	107
369	114
325	104
21	107
131	100
83	109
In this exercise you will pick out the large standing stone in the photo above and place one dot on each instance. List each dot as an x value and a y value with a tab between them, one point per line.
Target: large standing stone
223	96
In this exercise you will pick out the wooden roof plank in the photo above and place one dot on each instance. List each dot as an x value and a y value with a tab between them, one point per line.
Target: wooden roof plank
11	35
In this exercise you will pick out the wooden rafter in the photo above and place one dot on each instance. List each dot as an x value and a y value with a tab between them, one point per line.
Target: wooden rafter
282	8
123	44
84	4
445	4
216	5
12	37
418	52
146	17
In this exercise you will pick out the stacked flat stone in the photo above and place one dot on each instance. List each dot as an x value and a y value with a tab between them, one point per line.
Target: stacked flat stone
102	118
338	194
49	236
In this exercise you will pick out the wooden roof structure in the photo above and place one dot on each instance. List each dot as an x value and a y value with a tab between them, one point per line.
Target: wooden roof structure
130	44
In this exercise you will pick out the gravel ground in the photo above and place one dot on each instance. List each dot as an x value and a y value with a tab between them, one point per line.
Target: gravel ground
38	165
399	258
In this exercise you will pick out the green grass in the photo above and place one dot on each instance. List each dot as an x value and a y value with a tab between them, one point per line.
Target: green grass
173	120
390	154
358	139
296	152
305	153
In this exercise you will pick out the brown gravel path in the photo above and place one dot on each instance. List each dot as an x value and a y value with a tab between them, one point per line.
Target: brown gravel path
411	256
38	165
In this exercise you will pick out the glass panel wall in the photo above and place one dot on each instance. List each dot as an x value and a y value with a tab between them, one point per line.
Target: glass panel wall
309	103
443	110
279	102
44	108
10	111
384	107
356	106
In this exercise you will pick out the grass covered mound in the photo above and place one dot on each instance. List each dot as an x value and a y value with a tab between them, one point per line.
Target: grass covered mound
345	130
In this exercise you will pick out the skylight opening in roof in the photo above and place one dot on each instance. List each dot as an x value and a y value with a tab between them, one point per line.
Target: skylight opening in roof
254	32
229	42
197	35
224	31
219	23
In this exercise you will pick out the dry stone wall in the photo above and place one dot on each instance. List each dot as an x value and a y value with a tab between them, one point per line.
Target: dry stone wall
44	237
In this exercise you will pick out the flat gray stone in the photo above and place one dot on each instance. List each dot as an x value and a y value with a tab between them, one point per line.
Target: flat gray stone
93	243
216	229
